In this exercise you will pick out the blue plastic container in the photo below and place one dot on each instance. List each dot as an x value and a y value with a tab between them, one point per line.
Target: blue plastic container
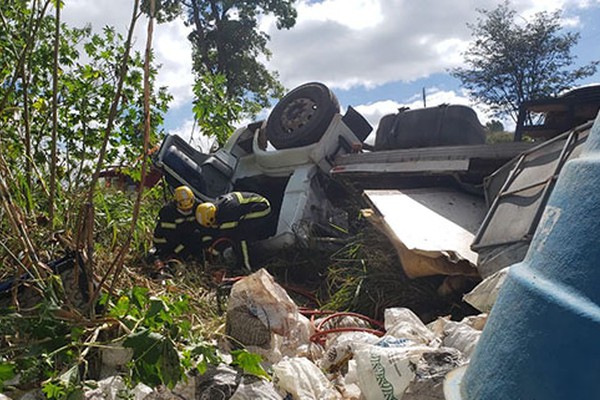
542	339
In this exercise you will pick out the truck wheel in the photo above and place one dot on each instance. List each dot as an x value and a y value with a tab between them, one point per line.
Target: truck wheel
302	116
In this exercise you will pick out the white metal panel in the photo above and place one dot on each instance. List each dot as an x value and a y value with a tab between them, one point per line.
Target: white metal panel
435	221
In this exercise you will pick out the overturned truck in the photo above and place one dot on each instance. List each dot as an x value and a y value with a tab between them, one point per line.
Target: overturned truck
286	158
440	193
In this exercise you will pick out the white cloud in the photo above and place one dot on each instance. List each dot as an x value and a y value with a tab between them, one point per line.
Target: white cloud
173	51
342	43
410	40
353	14
396	41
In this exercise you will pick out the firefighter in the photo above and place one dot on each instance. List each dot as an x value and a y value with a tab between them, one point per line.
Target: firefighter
177	235
238	216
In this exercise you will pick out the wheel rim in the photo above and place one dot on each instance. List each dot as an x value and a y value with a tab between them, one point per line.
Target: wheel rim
297	114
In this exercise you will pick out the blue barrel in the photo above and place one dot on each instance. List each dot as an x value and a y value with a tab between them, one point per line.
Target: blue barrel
542	338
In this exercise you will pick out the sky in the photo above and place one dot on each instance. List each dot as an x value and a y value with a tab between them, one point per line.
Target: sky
375	55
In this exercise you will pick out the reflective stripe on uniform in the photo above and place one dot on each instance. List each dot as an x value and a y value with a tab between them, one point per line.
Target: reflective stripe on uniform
159	240
168	225
239	196
185	219
257	214
245	255
206	238
228	225
253	199
179	248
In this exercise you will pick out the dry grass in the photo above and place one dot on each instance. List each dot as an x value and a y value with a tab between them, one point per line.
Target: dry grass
364	275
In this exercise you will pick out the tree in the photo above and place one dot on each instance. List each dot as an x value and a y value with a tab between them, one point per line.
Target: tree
86	87
227	52
510	62
226	40
494	126
227	48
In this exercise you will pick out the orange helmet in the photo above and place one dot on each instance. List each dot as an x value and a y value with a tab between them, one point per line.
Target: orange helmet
184	198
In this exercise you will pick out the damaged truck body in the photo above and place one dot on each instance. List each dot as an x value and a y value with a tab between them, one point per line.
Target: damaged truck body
447	200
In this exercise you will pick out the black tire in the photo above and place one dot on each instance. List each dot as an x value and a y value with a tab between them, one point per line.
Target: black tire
302	116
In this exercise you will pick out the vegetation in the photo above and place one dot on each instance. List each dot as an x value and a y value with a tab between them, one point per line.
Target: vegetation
510	61
74	104
231	81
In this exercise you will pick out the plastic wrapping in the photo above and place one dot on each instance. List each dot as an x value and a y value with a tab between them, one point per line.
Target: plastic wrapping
262	317
303	380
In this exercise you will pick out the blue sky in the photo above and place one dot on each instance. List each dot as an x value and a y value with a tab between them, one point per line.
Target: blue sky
376	55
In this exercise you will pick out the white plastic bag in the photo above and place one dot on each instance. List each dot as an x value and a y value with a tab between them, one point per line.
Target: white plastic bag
261	316
342	348
253	389
402	323
385	372
430	371
462	335
303	380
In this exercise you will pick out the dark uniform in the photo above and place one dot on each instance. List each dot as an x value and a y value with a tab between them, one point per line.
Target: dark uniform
242	217
178	235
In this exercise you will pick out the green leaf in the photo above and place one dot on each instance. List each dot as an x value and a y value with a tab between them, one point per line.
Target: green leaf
249	363
7	371
121	308
54	390
206	354
156	306
145	345
170	365
155	359
139	296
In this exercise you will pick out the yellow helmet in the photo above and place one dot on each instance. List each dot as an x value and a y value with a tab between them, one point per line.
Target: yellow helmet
205	214
184	197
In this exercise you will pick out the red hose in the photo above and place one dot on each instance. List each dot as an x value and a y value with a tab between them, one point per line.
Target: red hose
317	337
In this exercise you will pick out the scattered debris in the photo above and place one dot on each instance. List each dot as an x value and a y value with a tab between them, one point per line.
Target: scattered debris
484	295
410	356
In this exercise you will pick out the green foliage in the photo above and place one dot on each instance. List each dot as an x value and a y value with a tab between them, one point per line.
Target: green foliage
65	387
226	40
214	110
158	327
156	324
509	62
499	137
155	359
249	363
201	356
7	372
88	65
113	216
164	10
42	346
45	342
